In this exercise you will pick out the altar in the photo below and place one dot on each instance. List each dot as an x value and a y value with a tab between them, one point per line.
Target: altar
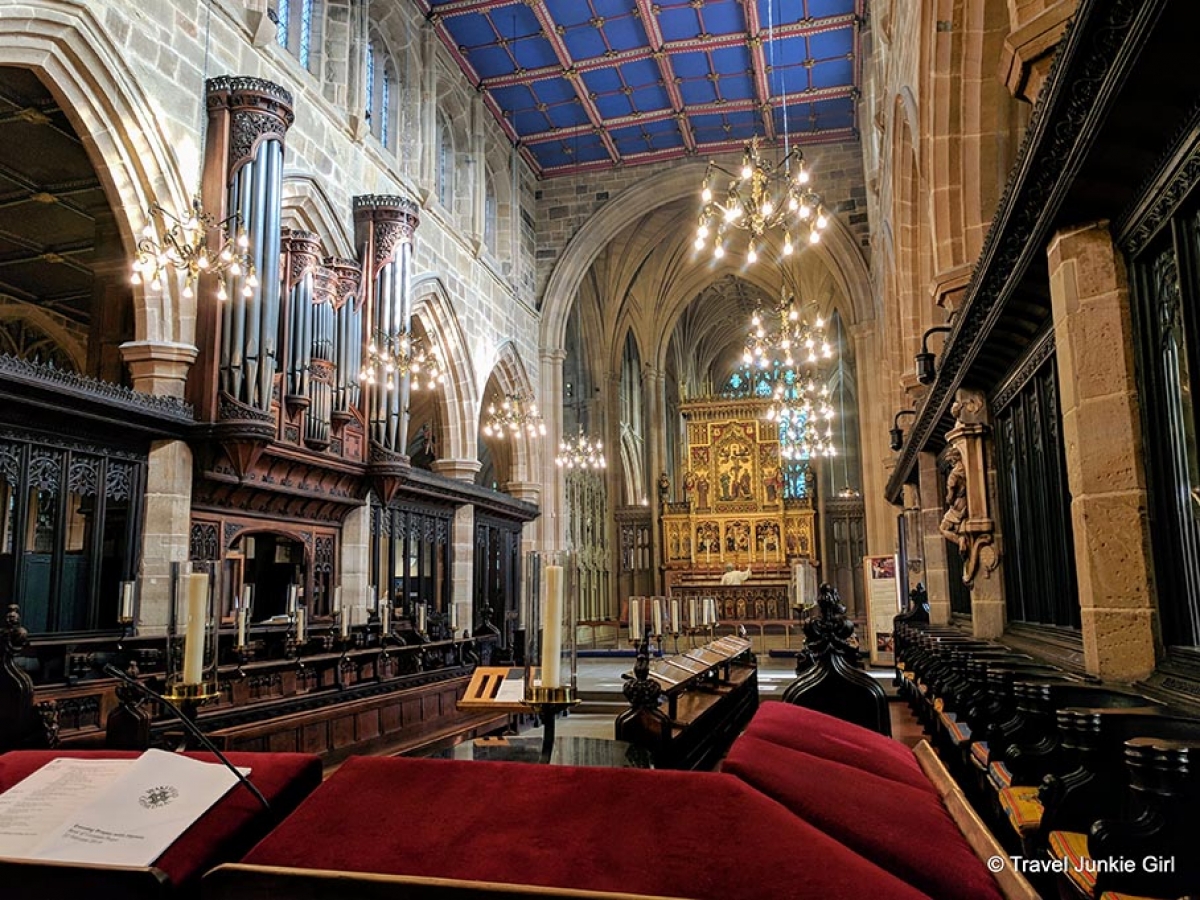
744	506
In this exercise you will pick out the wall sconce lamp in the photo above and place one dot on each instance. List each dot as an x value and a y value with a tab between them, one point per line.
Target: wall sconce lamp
926	364
896	432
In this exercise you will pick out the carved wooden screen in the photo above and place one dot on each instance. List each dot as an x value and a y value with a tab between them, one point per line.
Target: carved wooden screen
70	527
1035	506
411	555
1165	281
497	582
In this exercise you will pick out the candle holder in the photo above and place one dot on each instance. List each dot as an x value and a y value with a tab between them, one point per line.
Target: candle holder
192	636
127	609
549	616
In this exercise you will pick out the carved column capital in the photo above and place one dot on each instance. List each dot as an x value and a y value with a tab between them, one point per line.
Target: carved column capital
462	469
159	367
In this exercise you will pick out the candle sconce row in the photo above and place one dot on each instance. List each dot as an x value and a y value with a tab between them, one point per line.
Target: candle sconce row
655	618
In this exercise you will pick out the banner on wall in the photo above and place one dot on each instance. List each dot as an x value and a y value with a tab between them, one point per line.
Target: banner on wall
883	603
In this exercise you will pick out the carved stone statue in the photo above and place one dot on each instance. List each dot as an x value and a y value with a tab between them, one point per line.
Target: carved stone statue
956	501
664	488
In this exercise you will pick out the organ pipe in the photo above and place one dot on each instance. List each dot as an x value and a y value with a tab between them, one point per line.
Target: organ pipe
248	121
384	228
348	337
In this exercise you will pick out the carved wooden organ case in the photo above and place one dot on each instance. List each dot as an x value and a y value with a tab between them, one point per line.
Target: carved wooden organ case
290	440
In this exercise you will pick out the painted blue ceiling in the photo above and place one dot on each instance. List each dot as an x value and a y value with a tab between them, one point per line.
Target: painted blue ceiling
583	84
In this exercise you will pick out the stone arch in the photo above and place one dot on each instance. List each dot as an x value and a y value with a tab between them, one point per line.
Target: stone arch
646	195
135	160
512	377
307	206
460	396
70	343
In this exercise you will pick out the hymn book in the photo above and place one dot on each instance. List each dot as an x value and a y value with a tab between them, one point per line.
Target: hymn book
117	812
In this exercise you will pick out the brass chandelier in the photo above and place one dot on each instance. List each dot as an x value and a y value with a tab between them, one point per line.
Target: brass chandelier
786	337
581	452
804	416
170	243
516	413
194	242
761	197
401	353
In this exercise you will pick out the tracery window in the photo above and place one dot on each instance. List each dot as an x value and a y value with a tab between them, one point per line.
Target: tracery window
381	82
294	28
445	161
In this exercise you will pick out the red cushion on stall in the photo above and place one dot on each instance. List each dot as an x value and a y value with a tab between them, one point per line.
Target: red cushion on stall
692	834
231	827
903	829
822	735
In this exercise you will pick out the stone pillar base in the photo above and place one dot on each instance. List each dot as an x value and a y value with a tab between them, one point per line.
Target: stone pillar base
1118	644
159	368
167	531
988	615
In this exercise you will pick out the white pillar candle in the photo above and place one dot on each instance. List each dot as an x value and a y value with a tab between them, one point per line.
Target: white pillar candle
421	614
247	596
293	595
656	615
454	617
337	599
635	619
693	612
385	619
675	629
241	627
344	621
127	600
193	637
552	615
300	617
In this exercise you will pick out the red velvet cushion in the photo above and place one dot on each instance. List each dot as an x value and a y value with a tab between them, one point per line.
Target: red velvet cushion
231	827
664	833
821	735
903	829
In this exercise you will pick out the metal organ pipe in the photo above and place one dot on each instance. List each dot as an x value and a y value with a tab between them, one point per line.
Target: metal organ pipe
250	118
384	228
321	365
347	344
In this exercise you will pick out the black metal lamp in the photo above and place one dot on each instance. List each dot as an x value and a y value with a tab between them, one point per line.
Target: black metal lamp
926	361
896	432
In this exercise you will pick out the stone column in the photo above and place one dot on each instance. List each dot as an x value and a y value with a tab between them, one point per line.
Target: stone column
656	453
553	528
356	555
1103	444
428	111
480	121
167	532
462	566
530	492
937	572
874	421
159	367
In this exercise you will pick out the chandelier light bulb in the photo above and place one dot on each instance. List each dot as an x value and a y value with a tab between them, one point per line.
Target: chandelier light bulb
752	256
815	237
706	194
702	231
136	278
787	246
805	210
821	220
719	251
746	171
699	244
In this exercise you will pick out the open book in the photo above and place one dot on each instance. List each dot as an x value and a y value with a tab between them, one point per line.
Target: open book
119	812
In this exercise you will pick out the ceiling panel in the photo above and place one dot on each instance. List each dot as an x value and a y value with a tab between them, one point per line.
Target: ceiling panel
649	80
